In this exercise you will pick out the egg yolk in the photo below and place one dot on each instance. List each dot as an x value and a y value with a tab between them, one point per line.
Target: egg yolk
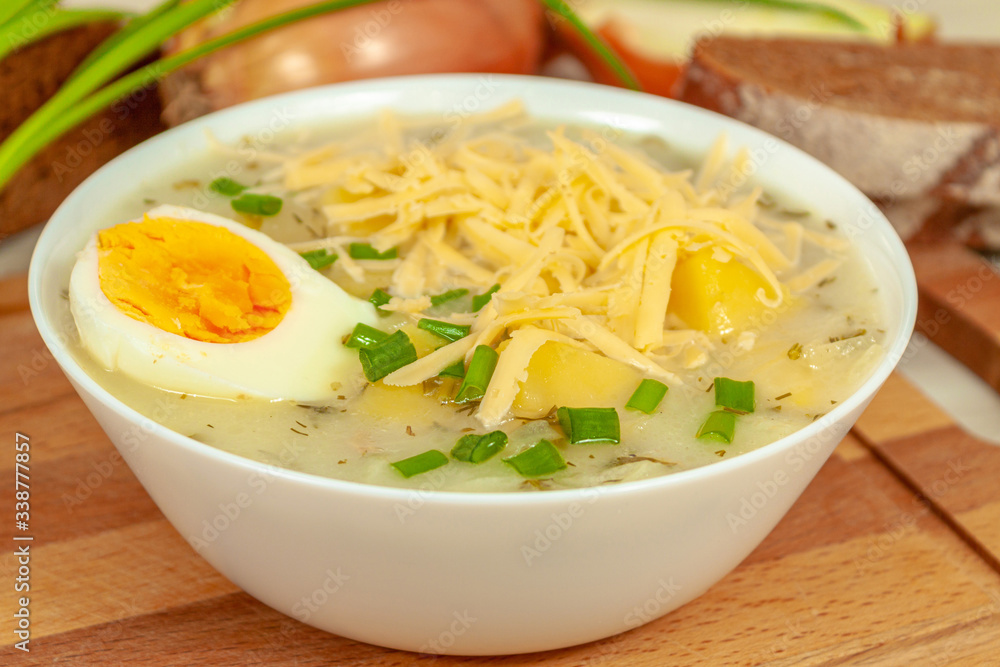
192	279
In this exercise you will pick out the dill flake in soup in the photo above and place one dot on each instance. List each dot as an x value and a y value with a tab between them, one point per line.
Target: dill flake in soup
554	308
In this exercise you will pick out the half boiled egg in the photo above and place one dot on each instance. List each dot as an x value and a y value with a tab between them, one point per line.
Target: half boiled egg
192	302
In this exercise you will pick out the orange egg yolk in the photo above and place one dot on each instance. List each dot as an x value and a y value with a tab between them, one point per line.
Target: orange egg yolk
192	279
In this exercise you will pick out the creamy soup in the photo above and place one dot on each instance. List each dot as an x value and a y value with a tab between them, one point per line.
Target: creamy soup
585	262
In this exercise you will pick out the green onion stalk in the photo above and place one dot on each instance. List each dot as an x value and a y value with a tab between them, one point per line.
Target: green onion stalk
477	376
590	425
450	295
421	463
365	336
94	86
647	396
540	459
734	395
447	330
821	9
476	448
387	355
36	20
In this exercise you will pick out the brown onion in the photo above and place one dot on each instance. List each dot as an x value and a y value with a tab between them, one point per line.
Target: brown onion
380	39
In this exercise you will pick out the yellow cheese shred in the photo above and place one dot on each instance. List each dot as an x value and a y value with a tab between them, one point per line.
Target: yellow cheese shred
660	263
511	369
582	236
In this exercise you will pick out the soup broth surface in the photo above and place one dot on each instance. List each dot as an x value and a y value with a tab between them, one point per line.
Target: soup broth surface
804	356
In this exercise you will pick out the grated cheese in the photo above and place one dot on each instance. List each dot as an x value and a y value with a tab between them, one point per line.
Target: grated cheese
511	370
582	238
813	275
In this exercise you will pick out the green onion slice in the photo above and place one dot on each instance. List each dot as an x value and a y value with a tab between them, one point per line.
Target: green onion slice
226	186
647	396
590	425
387	355
734	395
365	336
456	370
542	458
720	426
421	463
481	300
378	299
252	204
473	387
450	295
476	448
366	251
319	259
446	330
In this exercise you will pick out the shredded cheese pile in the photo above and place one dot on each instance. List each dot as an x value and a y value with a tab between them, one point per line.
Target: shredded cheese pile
582	237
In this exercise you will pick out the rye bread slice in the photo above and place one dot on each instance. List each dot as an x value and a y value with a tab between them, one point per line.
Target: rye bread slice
903	122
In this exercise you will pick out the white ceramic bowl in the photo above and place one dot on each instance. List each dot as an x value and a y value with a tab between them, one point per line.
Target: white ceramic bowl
465	573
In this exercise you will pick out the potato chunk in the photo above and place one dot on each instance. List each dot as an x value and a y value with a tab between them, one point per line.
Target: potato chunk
424	342
563	375
713	296
394	403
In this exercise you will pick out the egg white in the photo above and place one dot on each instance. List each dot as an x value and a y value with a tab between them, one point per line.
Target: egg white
301	359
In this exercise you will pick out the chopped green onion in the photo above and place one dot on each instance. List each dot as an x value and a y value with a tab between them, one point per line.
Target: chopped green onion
542	458
378	299
481	300
366	251
475	448
226	186
734	395
647	396
473	387
720	426
450	295
386	356
252	204
421	463
319	259
365	336
446	330
456	370
590	425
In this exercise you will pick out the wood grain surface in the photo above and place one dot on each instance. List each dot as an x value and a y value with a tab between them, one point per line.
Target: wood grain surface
890	557
959	304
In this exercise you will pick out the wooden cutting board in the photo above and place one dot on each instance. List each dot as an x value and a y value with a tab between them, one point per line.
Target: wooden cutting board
891	556
959	304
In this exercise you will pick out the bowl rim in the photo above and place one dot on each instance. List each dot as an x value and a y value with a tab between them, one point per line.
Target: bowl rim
892	246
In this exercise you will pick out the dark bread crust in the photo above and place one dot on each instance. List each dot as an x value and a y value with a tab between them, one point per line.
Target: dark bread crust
929	82
916	127
975	179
